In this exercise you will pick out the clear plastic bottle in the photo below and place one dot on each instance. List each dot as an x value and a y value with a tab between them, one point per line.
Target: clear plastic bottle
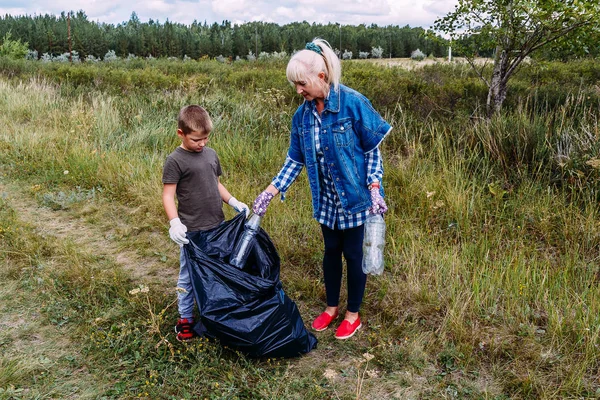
244	245
373	243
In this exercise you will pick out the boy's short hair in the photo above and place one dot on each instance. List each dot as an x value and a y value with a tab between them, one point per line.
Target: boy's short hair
194	118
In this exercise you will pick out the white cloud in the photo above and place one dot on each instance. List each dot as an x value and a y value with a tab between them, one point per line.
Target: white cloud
231	7
286	13
159	6
13	11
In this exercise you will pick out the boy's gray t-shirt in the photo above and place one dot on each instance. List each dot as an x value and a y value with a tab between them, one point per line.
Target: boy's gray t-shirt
200	206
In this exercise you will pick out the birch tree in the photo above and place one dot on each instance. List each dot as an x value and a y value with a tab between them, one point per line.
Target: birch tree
514	29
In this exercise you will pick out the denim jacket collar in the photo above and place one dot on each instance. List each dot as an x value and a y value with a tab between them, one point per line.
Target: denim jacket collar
332	101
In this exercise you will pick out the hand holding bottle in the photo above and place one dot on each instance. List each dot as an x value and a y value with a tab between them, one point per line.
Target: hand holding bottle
378	205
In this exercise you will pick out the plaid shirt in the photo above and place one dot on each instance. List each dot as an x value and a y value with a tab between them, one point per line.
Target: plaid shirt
331	213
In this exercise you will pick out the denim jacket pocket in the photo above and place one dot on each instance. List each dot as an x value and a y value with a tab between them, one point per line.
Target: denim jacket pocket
343	133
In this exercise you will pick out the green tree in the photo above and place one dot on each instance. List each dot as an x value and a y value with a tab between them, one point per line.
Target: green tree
514	29
13	48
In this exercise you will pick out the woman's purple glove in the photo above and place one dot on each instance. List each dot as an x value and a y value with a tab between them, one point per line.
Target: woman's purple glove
262	202
378	205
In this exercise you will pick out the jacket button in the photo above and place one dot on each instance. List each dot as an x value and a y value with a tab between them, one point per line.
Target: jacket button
324	130
337	179
341	128
326	148
343	193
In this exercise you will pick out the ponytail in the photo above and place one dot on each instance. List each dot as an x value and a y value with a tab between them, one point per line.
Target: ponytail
317	57
332	62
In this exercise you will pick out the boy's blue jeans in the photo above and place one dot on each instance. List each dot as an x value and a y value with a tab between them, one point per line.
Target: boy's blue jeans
185	292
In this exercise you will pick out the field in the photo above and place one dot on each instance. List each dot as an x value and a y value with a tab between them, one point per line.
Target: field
491	288
408	64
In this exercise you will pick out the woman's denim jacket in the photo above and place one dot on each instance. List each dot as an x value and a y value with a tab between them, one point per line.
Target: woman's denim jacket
350	127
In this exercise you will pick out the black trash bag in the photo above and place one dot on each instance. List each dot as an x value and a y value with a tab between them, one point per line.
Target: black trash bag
245	309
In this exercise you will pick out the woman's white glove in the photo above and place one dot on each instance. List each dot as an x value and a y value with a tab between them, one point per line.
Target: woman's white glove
177	232
238	205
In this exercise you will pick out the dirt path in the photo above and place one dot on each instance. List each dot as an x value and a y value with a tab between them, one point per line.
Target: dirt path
30	347
100	238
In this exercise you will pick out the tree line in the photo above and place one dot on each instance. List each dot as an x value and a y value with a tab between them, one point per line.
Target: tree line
73	31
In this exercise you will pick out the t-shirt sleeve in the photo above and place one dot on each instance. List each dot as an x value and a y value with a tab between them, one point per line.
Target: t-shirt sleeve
171	171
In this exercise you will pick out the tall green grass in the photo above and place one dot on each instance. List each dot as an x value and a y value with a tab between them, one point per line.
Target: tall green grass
491	283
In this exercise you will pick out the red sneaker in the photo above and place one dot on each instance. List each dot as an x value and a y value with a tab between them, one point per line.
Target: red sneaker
322	321
184	330
347	329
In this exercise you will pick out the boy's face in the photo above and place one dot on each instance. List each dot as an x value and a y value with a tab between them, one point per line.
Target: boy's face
193	141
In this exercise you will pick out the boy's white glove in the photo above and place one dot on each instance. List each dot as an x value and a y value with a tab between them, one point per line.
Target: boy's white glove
177	232
238	205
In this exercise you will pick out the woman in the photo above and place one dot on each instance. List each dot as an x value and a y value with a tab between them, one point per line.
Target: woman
335	135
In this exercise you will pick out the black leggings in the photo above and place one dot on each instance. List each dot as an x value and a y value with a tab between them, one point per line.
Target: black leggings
349	243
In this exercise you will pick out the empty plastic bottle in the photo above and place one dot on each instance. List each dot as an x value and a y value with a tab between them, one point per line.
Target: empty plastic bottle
373	243
244	245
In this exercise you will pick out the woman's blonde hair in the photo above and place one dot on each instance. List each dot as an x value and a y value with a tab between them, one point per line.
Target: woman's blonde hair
305	65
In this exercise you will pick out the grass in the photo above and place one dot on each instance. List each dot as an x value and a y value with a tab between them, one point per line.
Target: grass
491	282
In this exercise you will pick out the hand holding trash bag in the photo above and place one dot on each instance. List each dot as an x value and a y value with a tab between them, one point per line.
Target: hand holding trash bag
177	232
262	202
238	206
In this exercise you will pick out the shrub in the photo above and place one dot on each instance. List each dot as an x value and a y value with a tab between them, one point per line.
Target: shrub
13	48
46	57
110	56
417	55
377	52
32	55
347	55
64	57
363	54
279	56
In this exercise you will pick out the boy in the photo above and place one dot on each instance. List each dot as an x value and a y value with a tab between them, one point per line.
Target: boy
192	173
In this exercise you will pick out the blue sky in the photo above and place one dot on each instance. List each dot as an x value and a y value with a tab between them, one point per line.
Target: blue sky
381	12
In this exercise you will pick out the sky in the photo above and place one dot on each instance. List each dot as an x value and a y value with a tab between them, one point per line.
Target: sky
346	12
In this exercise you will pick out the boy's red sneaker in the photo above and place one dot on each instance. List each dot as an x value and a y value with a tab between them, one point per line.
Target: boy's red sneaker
322	321
184	330
347	329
